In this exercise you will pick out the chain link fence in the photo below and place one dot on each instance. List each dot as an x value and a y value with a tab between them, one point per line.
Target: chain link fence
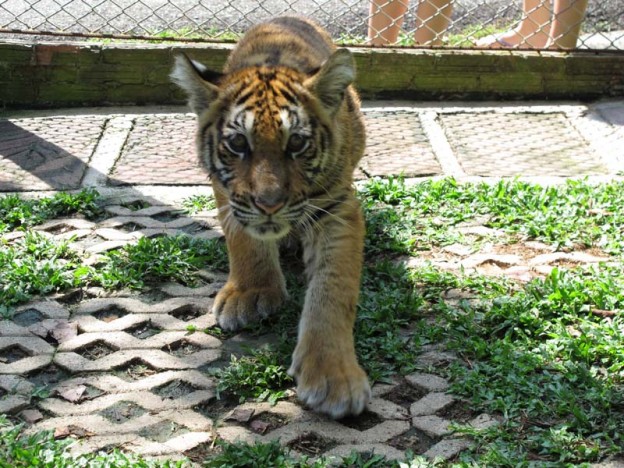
532	24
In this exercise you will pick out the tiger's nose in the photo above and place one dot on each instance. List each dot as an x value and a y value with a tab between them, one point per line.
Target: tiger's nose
269	205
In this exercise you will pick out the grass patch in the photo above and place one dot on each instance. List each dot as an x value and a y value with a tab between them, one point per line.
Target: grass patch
260	376
404	219
169	258
196	203
35	265
18	450
16	212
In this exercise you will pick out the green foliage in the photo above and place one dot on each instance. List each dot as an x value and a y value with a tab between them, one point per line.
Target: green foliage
196	203
406	219
389	304
36	265
259	376
16	212
258	455
40	449
170	258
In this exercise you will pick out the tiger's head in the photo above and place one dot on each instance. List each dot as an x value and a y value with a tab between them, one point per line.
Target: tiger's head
268	137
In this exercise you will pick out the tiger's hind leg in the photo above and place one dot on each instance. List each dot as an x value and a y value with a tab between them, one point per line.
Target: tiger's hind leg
255	287
329	378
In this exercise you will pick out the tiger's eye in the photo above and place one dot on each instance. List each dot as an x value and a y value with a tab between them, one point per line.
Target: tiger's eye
238	143
297	143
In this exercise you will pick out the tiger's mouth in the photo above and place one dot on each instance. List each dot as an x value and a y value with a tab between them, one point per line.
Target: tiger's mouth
268	229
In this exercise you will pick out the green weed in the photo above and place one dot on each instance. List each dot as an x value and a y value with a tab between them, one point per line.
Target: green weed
19	450
170	258
16	212
196	203
259	376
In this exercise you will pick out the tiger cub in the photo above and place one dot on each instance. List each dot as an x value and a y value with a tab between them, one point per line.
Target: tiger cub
280	133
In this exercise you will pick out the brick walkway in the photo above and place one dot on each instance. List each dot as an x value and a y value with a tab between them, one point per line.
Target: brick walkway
123	371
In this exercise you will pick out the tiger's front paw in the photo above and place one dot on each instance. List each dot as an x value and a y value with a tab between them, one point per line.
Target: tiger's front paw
235	308
333	384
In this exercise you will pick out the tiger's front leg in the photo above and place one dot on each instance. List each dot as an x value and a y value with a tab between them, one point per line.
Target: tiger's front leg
329	378
255	287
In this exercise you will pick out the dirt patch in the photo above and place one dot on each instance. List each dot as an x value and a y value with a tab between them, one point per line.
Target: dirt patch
136	369
311	443
28	317
12	354
414	440
122	412
131	227
187	312
199	454
144	330
405	394
166	216
175	389
267	422
217	408
163	431
110	314
364	421
136	205
458	411
48	376
96	350
181	348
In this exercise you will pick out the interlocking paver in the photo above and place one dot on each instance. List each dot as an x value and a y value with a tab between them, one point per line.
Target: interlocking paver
154	357
431	403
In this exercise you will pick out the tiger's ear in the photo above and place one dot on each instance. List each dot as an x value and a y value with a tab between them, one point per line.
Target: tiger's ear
330	82
197	81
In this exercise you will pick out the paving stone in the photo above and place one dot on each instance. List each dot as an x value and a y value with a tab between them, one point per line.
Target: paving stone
144	399
432	425
431	403
174	289
158	359
105	246
123	340
236	434
575	257
160	149
113	384
37	353
387	409
48	309
91	324
447	448
560	150
429	382
57	226
31	416
179	444
397	144
111	234
100	425
13	404
43	153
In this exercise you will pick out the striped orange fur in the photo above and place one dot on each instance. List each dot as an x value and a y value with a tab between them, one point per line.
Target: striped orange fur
280	133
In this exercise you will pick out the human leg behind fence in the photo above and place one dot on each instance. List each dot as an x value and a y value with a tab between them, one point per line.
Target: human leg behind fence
386	18
541	27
